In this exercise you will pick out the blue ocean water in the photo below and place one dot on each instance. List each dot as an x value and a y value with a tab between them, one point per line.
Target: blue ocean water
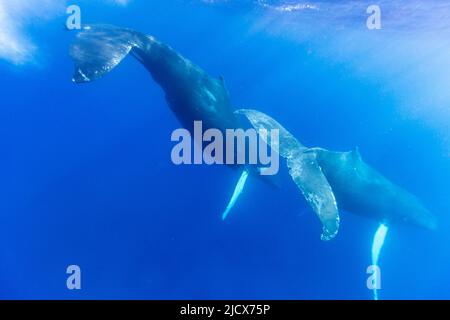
87	177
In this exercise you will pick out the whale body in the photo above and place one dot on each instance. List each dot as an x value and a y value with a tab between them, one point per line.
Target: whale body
331	181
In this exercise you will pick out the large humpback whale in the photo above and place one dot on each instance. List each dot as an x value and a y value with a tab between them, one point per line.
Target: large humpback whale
330	180
191	93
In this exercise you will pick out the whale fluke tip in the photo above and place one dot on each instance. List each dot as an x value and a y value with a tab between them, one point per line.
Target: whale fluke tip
98	49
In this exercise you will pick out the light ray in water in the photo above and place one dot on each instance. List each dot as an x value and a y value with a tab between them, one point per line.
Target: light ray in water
237	192
378	241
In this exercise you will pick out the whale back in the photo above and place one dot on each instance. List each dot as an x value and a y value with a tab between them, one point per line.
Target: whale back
190	92
362	190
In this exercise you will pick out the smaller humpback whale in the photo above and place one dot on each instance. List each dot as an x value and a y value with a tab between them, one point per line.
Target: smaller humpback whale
330	180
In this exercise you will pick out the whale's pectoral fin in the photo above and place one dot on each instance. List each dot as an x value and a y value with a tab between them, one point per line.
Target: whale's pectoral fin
98	49
304	170
377	244
237	192
310	179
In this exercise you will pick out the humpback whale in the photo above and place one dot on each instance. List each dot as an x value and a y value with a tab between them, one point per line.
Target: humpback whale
331	180
191	94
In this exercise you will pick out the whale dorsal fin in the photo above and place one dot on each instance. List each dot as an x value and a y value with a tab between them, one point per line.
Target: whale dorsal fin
221	82
356	155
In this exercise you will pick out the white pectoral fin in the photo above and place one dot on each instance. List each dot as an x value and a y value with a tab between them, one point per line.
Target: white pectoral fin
307	174
237	192
378	242
377	245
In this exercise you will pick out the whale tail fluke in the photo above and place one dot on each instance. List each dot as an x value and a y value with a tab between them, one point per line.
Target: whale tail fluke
98	49
304	170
